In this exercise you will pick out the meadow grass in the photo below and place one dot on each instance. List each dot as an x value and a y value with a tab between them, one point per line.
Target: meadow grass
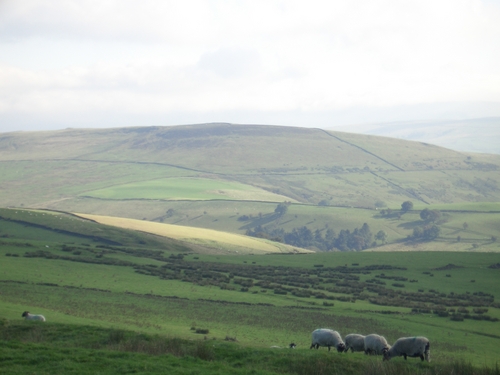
338	178
308	165
63	348
224	216
231	242
186	188
117	296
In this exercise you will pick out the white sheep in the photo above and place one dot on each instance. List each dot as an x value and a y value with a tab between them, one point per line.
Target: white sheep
375	344
327	337
410	347
354	342
26	315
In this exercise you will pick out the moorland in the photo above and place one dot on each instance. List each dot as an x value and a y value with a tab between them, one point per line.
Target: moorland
198	248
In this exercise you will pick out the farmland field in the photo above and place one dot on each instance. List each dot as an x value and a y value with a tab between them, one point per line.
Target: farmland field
72	282
197	248
185	188
231	243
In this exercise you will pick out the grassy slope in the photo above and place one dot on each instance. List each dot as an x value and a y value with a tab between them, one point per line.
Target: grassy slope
225	241
117	296
303	164
252	325
60	348
56	169
225	171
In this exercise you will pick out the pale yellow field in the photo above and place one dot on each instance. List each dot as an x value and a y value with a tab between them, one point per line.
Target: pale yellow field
441	246
223	241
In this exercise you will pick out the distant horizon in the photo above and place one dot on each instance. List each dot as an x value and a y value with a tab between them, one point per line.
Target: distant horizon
475	135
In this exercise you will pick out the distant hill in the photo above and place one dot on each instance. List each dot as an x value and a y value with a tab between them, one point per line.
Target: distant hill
301	164
231	177
473	135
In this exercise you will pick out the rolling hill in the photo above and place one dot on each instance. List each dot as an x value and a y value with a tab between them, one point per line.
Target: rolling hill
231	178
130	242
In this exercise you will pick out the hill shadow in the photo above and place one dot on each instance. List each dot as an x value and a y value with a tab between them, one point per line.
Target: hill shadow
410	225
255	222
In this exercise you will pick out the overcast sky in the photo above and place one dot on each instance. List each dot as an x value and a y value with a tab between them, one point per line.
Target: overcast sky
71	63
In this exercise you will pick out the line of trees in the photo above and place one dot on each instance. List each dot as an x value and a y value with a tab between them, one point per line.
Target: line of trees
346	240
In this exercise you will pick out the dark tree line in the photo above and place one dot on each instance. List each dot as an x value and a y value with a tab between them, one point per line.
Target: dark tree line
358	239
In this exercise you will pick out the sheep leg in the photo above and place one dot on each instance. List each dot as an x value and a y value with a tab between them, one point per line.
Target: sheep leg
404	355
421	357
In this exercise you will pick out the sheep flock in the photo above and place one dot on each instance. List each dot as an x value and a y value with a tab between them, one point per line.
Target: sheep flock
372	344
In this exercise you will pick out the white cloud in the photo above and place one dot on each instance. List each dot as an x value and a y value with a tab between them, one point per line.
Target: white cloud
68	57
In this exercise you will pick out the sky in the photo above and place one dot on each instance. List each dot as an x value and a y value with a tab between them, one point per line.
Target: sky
105	63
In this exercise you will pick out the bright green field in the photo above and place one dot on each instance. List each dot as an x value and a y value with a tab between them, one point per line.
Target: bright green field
185	188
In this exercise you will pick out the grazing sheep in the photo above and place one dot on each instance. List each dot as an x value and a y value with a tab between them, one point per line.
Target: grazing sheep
26	315
327	337
410	347
375	344
354	342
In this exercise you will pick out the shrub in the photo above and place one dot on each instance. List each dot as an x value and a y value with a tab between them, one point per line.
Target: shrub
280	291
116	336
457	317
480	310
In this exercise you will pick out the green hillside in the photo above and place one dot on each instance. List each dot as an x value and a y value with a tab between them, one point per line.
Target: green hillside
121	296
232	177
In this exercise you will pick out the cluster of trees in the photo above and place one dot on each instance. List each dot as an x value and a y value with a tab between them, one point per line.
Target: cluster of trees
429	231
430	215
426	232
346	240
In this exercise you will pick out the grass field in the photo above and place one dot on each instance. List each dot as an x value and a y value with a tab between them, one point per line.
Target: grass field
223	241
62	348
130	296
481	226
186	188
74	282
57	169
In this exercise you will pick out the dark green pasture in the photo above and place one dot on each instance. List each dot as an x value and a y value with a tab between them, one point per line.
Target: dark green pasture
69	289
81	349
